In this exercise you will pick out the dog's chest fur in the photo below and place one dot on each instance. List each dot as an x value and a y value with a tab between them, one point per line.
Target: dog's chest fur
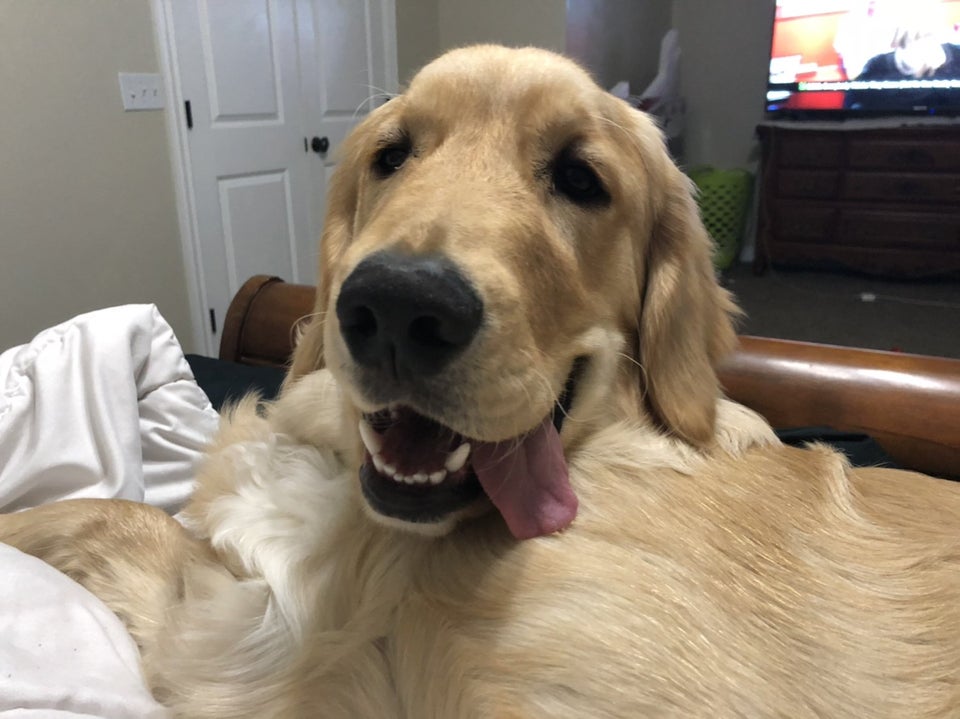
689	586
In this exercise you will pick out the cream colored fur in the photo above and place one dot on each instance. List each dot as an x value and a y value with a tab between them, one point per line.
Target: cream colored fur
711	572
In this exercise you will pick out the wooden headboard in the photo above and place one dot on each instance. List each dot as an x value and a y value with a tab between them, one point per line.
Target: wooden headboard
909	403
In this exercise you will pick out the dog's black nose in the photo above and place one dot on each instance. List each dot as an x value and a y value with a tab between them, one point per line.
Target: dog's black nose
407	315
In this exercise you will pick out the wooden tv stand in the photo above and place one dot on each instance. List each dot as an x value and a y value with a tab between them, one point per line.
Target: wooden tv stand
885	201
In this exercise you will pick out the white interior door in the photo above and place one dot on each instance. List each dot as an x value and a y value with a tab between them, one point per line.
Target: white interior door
249	174
262	79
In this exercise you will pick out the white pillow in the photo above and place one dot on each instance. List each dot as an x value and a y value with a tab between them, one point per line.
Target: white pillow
103	405
62	652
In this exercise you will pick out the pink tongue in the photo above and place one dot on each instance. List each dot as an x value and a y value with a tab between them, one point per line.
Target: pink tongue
528	483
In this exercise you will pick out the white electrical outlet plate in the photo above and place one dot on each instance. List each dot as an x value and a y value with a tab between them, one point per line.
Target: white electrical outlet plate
141	91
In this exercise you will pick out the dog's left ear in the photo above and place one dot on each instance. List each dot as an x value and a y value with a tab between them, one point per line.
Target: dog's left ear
686	317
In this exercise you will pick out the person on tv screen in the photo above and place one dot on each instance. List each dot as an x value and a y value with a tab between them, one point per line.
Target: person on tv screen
917	54
862	32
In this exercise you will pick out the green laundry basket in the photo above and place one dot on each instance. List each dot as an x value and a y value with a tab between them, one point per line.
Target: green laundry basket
724	197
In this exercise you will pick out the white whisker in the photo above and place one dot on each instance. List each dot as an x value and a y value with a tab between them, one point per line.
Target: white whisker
297	328
378	93
643	373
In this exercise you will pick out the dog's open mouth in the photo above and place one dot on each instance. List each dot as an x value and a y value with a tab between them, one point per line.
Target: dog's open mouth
417	470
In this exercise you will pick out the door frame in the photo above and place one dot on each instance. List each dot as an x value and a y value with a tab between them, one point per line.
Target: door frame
180	161
179	153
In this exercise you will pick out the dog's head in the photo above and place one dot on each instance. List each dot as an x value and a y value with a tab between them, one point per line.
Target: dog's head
510	257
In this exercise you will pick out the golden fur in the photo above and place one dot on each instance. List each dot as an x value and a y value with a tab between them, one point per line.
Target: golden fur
710	571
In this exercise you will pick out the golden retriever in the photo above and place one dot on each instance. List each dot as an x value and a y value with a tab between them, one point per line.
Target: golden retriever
501	480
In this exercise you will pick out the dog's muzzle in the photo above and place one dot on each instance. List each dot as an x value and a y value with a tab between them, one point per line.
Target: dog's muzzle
404	320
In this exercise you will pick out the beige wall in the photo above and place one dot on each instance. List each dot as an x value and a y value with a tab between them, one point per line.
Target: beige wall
427	28
509	22
618	39
418	36
724	69
87	211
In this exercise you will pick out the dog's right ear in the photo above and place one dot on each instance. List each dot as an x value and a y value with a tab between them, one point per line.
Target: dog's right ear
338	228
686	316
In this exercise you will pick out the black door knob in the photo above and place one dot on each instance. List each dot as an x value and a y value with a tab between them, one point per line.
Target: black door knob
319	145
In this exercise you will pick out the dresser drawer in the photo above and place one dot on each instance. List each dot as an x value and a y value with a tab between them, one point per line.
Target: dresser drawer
906	230
801	222
884	261
905	155
809	149
814	184
902	187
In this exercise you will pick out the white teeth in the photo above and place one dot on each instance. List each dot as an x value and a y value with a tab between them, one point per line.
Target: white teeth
418	478
457	458
371	440
374	444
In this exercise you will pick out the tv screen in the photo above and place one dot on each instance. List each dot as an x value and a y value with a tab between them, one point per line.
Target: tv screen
849	58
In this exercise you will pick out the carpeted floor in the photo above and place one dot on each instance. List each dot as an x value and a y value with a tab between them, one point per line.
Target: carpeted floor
851	310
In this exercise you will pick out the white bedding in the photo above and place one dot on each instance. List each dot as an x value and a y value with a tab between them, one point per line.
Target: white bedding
104	405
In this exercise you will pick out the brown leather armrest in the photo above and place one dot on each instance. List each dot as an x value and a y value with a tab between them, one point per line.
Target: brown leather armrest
909	403
260	326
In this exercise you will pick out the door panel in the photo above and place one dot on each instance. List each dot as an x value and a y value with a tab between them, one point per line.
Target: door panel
344	45
240	47
257	214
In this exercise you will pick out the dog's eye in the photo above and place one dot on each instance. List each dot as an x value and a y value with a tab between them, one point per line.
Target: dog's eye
391	158
576	180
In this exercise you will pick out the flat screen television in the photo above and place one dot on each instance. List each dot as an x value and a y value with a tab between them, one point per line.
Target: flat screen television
842	59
